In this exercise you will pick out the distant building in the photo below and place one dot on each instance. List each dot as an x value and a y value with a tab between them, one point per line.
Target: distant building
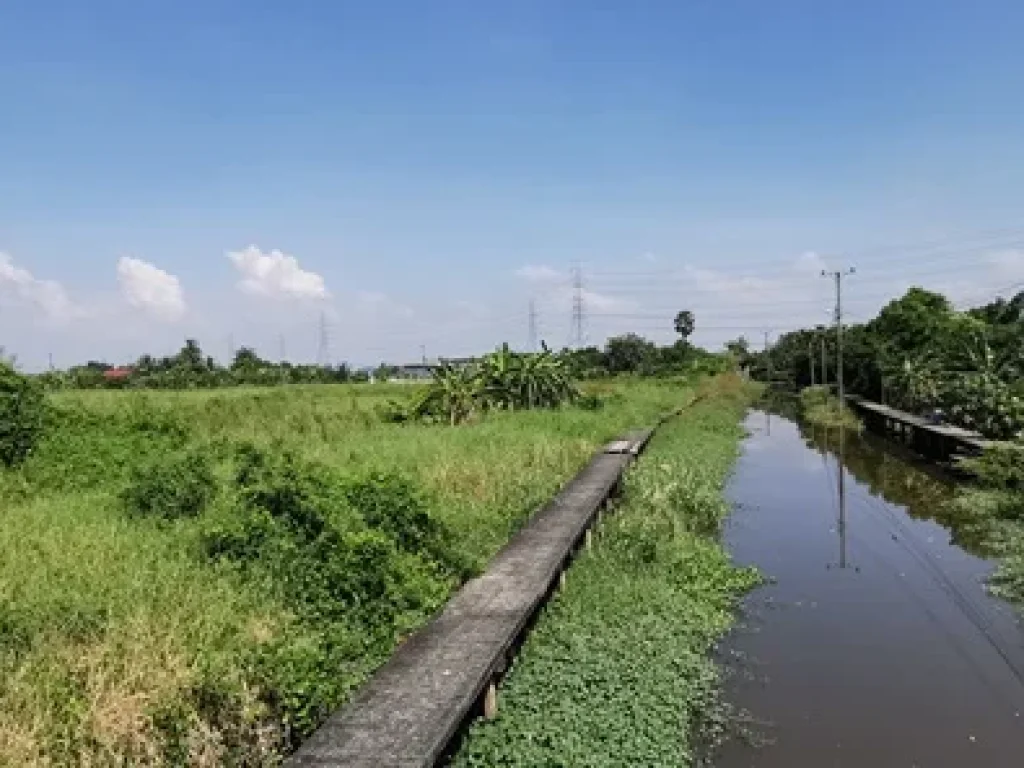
117	374
414	371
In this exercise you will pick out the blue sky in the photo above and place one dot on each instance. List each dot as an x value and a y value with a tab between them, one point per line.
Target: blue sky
418	171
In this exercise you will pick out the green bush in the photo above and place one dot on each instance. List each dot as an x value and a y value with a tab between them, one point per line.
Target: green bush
1000	468
391	503
986	403
359	560
812	396
22	415
174	487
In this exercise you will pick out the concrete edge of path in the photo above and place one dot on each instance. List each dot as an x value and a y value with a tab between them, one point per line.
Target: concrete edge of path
410	710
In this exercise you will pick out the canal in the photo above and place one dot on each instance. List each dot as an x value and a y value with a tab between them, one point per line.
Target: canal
874	642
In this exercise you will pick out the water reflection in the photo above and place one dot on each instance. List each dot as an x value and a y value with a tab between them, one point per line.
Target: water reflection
873	642
891	473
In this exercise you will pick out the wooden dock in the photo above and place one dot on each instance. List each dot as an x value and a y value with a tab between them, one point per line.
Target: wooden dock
936	441
410	710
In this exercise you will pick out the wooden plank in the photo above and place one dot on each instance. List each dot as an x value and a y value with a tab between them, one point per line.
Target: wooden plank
958	434
408	712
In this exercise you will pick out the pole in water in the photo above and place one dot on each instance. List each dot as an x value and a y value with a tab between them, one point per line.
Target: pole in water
842	497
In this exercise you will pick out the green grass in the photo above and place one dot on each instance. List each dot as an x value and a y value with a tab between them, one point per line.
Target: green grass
123	640
991	508
823	409
617	671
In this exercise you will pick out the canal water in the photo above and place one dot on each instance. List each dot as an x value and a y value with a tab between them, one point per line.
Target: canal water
874	642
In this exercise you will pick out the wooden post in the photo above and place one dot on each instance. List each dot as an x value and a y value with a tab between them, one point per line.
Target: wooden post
589	539
561	581
491	702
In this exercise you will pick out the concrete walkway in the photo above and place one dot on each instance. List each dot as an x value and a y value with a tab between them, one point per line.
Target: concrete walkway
410	710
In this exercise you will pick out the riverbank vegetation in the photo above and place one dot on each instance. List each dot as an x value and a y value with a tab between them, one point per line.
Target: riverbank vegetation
921	355
820	407
993	506
200	577
618	666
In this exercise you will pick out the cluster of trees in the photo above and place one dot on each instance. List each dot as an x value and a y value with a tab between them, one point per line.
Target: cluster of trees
920	354
632	353
190	368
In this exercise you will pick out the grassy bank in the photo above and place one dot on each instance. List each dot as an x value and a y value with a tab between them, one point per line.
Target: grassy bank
993	508
199	578
821	408
617	671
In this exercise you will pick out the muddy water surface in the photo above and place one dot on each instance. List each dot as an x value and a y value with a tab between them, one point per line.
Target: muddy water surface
875	644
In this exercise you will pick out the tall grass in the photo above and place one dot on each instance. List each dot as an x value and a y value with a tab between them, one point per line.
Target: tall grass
823	409
123	640
617	671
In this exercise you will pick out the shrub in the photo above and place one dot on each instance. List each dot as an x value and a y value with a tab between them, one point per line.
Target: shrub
175	487
358	560
22	411
1000	468
391	503
811	396
985	403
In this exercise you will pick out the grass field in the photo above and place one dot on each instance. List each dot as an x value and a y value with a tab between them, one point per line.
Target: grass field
198	578
618	671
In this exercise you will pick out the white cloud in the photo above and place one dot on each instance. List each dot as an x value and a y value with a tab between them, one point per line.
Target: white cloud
540	273
47	295
276	275
151	289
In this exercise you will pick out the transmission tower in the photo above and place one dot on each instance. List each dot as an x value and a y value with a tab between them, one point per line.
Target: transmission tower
578	308
531	345
323	352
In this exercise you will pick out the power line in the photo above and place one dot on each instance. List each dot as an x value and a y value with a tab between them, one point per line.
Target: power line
942	248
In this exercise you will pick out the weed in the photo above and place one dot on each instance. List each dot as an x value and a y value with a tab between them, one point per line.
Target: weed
172	487
22	413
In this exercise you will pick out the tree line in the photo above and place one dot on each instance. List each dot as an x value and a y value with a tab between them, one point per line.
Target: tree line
919	354
191	368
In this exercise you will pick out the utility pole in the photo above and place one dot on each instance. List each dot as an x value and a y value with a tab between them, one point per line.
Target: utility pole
51	360
768	359
577	305
231	348
423	353
838	276
532	341
323	352
810	359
